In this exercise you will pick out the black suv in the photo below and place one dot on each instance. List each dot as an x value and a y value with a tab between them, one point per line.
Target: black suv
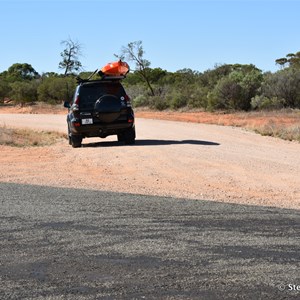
100	108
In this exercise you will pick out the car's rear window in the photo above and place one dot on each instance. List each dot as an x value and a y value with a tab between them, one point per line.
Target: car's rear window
90	93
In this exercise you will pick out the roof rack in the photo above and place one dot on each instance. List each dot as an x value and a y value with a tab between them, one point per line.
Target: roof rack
102	75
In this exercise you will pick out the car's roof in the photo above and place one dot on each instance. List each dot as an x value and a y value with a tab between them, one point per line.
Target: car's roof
100	82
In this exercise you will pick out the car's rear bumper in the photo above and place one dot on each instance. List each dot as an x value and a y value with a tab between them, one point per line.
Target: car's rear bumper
99	130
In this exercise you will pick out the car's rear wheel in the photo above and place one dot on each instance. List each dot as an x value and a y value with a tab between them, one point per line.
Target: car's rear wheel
76	141
129	136
121	137
69	135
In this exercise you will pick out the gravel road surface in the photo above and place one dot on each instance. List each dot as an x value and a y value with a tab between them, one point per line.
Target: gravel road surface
59	243
177	159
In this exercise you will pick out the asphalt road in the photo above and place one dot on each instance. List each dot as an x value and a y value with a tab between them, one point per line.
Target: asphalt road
61	243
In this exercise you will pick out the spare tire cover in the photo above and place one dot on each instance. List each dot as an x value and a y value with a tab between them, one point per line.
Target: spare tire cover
108	108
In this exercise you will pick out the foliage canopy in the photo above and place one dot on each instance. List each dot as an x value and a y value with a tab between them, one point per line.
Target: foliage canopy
225	87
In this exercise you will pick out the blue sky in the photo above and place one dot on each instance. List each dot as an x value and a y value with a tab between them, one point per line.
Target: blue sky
176	34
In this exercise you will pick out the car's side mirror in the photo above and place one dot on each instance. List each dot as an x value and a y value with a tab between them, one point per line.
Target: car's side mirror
67	104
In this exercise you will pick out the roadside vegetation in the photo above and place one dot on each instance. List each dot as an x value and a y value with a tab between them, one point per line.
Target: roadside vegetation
28	138
284	123
285	132
226	88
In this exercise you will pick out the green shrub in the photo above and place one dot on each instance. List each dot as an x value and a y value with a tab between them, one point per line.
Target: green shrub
158	103
140	100
178	100
56	89
284	84
24	91
198	98
263	102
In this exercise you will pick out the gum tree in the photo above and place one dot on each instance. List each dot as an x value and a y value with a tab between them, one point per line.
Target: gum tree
70	57
134	52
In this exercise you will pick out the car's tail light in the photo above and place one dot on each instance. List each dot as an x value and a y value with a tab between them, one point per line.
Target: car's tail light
75	106
128	101
77	100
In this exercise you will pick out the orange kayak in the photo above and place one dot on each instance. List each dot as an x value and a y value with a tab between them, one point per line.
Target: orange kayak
117	68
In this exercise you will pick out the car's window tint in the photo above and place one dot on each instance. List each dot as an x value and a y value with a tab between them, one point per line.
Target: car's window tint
90	93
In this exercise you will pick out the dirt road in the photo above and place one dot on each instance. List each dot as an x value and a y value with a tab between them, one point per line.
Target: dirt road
170	159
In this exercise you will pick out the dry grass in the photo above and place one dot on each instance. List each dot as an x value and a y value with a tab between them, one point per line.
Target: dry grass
290	133
36	108
28	138
283	124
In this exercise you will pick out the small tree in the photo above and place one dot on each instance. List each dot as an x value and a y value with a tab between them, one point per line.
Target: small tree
70	56
291	59
134	52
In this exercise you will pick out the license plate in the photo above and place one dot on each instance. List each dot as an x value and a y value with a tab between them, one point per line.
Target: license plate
86	121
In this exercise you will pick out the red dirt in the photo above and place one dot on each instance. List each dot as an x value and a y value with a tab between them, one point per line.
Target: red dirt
196	161
228	119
